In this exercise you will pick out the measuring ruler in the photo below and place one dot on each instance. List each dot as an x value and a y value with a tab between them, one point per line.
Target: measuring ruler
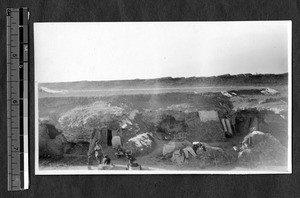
17	98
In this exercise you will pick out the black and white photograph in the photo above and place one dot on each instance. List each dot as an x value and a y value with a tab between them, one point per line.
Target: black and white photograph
163	98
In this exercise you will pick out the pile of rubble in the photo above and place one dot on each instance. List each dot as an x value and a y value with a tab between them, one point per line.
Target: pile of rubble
203	154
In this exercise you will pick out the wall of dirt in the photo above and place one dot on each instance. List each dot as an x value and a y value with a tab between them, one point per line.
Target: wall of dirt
209	131
180	125
263	120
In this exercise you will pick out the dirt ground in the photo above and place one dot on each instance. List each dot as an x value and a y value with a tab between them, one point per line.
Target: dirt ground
153	161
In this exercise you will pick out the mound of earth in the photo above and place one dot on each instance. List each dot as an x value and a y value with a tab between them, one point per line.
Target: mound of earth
79	122
263	149
51	141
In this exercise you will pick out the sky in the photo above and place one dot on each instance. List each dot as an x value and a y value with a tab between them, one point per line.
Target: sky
67	52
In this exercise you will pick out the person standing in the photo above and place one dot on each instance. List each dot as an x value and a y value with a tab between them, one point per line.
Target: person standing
98	152
94	141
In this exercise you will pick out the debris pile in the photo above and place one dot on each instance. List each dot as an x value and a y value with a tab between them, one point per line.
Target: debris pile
170	147
197	153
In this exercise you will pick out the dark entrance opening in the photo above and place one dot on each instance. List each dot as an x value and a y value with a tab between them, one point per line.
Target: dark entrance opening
109	137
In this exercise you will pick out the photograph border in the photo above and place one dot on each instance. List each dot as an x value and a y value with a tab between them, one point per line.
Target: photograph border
175	172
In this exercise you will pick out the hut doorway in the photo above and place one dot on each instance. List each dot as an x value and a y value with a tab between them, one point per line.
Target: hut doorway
109	137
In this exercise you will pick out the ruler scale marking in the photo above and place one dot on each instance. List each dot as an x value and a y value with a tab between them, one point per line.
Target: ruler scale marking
17	98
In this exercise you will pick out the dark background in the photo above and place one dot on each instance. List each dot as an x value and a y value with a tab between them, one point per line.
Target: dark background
152	185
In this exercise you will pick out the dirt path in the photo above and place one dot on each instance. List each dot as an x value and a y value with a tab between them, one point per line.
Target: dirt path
153	162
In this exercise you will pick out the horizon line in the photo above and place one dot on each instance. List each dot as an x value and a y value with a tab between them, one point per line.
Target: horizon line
165	77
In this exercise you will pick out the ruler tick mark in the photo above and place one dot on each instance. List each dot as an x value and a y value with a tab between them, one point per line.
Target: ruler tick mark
15	29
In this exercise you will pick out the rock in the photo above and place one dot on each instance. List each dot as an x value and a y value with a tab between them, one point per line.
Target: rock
263	149
141	144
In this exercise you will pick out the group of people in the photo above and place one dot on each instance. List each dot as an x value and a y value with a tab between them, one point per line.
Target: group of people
104	162
96	149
